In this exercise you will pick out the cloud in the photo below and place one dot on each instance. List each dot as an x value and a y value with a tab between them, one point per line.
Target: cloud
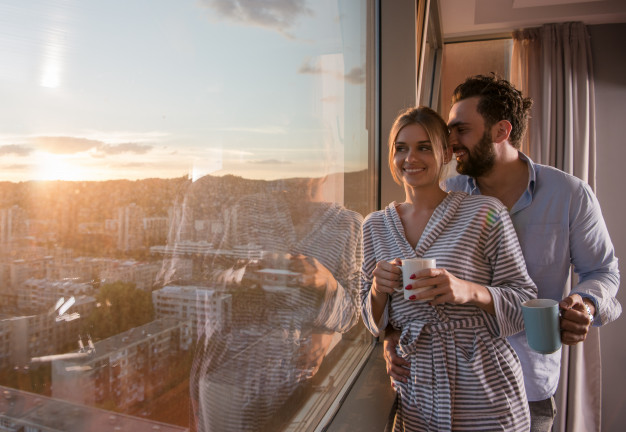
356	75
17	150
308	68
17	167
270	162
72	145
270	129
134	165
125	148
277	15
65	145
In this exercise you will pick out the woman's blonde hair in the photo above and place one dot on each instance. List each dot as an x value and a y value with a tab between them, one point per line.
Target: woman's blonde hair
435	127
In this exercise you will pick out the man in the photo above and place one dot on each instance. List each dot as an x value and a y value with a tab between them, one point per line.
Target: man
557	218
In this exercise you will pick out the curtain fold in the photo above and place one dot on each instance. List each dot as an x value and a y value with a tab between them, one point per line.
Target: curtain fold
552	64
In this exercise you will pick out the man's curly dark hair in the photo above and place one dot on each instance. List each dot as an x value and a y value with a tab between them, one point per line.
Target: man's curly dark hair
499	100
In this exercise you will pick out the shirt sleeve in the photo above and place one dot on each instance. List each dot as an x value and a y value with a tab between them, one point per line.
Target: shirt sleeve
593	257
511	285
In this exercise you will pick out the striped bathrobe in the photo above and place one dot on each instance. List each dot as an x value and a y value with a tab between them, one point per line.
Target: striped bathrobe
464	374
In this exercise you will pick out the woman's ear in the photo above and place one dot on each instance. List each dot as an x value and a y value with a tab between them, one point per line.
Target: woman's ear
447	155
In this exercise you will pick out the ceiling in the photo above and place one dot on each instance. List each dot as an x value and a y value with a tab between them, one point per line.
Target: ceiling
463	18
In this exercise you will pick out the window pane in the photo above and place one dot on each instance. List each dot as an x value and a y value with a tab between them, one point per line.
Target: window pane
464	59
181	194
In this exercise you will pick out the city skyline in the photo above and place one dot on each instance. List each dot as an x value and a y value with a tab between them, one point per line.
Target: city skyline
93	94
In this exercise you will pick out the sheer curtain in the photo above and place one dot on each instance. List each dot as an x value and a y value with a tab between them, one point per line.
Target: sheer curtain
553	65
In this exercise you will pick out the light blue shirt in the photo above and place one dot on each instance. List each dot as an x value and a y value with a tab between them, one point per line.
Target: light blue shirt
559	224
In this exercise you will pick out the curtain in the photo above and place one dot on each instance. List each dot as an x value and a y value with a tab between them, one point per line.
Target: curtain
553	65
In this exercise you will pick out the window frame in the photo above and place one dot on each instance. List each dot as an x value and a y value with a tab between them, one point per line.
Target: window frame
404	76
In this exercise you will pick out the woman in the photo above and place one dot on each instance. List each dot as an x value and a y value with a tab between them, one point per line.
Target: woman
464	374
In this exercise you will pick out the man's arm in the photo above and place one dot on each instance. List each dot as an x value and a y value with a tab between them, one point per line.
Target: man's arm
397	367
593	299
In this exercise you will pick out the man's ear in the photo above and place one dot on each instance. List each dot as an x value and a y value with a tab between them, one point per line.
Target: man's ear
502	130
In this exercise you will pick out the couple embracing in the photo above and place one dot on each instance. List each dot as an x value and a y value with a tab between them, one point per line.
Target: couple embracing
460	361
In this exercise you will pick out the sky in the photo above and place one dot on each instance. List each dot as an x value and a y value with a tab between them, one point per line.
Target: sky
99	90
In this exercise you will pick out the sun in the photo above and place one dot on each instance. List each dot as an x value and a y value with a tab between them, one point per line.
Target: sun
57	167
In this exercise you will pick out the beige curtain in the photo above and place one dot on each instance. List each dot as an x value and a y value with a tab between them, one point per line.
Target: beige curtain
552	64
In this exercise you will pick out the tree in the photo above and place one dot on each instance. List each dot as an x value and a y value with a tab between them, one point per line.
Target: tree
120	307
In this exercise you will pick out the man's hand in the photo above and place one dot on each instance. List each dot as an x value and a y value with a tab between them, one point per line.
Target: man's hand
575	321
397	367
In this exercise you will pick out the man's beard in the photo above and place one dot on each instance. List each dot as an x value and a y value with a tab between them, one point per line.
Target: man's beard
480	160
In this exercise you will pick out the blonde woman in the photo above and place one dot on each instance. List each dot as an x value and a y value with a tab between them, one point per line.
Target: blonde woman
464	374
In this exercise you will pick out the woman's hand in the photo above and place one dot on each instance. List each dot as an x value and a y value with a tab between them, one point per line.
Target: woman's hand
447	288
387	277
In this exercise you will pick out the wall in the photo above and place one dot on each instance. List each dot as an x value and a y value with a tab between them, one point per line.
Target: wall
608	44
398	80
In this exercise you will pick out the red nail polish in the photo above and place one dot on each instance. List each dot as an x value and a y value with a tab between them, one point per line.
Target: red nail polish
412	297
412	276
408	287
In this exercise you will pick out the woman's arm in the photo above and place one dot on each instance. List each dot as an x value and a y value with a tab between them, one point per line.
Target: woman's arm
510	284
447	288
378	280
387	276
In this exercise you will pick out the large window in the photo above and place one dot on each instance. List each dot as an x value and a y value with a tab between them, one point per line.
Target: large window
473	57
181	190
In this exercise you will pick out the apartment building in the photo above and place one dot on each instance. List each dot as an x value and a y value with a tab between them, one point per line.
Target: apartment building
125	369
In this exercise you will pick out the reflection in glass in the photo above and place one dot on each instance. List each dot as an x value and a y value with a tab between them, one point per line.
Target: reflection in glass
170	176
273	293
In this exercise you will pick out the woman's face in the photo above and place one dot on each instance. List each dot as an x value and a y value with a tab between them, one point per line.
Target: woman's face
414	157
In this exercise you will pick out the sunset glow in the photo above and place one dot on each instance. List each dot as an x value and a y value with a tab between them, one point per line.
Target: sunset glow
200	98
54	167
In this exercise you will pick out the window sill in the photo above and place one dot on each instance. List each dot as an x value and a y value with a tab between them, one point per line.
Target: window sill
368	404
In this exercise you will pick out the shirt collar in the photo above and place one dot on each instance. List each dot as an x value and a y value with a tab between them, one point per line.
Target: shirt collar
527	197
473	187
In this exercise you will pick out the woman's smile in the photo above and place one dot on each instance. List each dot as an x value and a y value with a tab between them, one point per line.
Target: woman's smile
413	170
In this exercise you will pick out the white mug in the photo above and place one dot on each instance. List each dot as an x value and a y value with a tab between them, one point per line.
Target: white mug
411	266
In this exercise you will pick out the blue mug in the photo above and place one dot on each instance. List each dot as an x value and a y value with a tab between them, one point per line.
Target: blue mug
541	321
